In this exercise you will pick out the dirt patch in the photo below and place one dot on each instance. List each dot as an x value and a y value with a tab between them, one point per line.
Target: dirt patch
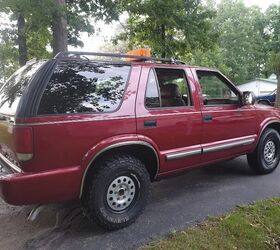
34	227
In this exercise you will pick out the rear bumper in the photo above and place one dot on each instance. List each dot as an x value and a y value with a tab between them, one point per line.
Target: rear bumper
44	187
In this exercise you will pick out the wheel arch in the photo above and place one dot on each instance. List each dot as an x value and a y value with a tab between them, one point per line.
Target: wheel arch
275	124
140	149
264	100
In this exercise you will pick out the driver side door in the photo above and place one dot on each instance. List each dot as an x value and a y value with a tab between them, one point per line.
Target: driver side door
228	128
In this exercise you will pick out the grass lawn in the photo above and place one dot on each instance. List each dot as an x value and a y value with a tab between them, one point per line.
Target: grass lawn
255	226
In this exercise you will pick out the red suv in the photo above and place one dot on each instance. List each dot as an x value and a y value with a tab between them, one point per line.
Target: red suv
83	127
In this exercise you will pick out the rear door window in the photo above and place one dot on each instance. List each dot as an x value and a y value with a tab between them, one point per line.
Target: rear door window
12	91
152	99
167	88
80	87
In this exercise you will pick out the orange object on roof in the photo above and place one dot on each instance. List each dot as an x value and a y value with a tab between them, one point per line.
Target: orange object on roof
138	52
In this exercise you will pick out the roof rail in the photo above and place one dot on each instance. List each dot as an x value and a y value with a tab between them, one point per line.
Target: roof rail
73	54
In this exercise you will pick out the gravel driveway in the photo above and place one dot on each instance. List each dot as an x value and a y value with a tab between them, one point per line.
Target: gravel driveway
176	203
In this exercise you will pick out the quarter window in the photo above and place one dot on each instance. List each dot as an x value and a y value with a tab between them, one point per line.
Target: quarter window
152	94
79	87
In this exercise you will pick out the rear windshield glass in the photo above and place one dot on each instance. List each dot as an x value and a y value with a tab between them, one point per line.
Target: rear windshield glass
12	90
79	87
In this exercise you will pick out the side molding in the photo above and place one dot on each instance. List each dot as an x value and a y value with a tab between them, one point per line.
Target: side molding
228	145
117	145
211	147
183	154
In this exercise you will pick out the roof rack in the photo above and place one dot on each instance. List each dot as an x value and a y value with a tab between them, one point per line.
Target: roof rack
79	55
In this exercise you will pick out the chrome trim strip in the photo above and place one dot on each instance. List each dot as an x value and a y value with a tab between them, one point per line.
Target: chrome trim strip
10	164
229	145
120	144
209	149
183	154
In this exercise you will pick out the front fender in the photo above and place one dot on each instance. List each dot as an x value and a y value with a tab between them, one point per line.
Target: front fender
264	124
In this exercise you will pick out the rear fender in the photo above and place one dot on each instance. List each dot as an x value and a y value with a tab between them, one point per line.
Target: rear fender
109	144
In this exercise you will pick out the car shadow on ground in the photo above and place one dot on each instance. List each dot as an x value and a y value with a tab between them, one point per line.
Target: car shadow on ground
50	225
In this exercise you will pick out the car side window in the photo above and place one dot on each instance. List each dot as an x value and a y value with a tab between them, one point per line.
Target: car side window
170	85
80	87
215	89
152	99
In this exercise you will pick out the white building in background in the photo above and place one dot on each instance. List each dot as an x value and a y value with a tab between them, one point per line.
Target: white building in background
260	86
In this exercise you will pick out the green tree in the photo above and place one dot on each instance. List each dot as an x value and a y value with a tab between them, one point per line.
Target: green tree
273	44
212	58
8	60
52	22
8	52
241	39
167	27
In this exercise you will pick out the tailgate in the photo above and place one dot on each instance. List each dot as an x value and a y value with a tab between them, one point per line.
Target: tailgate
10	96
7	149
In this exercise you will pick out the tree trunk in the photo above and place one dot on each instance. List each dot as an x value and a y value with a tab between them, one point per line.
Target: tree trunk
59	27
277	101
22	47
163	40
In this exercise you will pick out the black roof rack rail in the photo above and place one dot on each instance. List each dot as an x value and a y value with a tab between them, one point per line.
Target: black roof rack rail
71	54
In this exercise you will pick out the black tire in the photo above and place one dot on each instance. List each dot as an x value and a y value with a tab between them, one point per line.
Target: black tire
122	177
266	156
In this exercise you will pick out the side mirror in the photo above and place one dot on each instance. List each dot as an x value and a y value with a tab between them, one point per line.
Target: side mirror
248	98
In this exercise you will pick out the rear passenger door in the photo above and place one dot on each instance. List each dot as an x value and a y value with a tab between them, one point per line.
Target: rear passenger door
169	117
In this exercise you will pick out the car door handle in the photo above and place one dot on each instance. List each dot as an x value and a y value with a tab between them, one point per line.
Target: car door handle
207	118
150	124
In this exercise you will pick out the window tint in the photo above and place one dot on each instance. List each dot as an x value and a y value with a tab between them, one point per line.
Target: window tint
152	95
77	87
215	89
173	86
12	91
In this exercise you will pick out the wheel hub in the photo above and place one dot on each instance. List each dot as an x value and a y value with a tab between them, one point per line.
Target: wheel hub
269	151
121	193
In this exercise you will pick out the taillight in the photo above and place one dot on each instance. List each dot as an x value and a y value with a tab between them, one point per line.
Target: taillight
23	143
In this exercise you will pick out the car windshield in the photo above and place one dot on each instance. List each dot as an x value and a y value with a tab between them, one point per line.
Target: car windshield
12	91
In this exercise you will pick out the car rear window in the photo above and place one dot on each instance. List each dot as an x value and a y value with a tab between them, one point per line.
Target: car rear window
79	87
13	89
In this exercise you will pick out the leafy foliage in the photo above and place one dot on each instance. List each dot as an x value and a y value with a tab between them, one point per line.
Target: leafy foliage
38	16
166	26
8	54
8	60
273	17
242	38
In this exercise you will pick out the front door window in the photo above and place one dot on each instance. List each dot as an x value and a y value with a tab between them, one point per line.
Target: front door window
215	89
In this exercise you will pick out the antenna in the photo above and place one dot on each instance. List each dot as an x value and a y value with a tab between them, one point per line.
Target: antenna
173	58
